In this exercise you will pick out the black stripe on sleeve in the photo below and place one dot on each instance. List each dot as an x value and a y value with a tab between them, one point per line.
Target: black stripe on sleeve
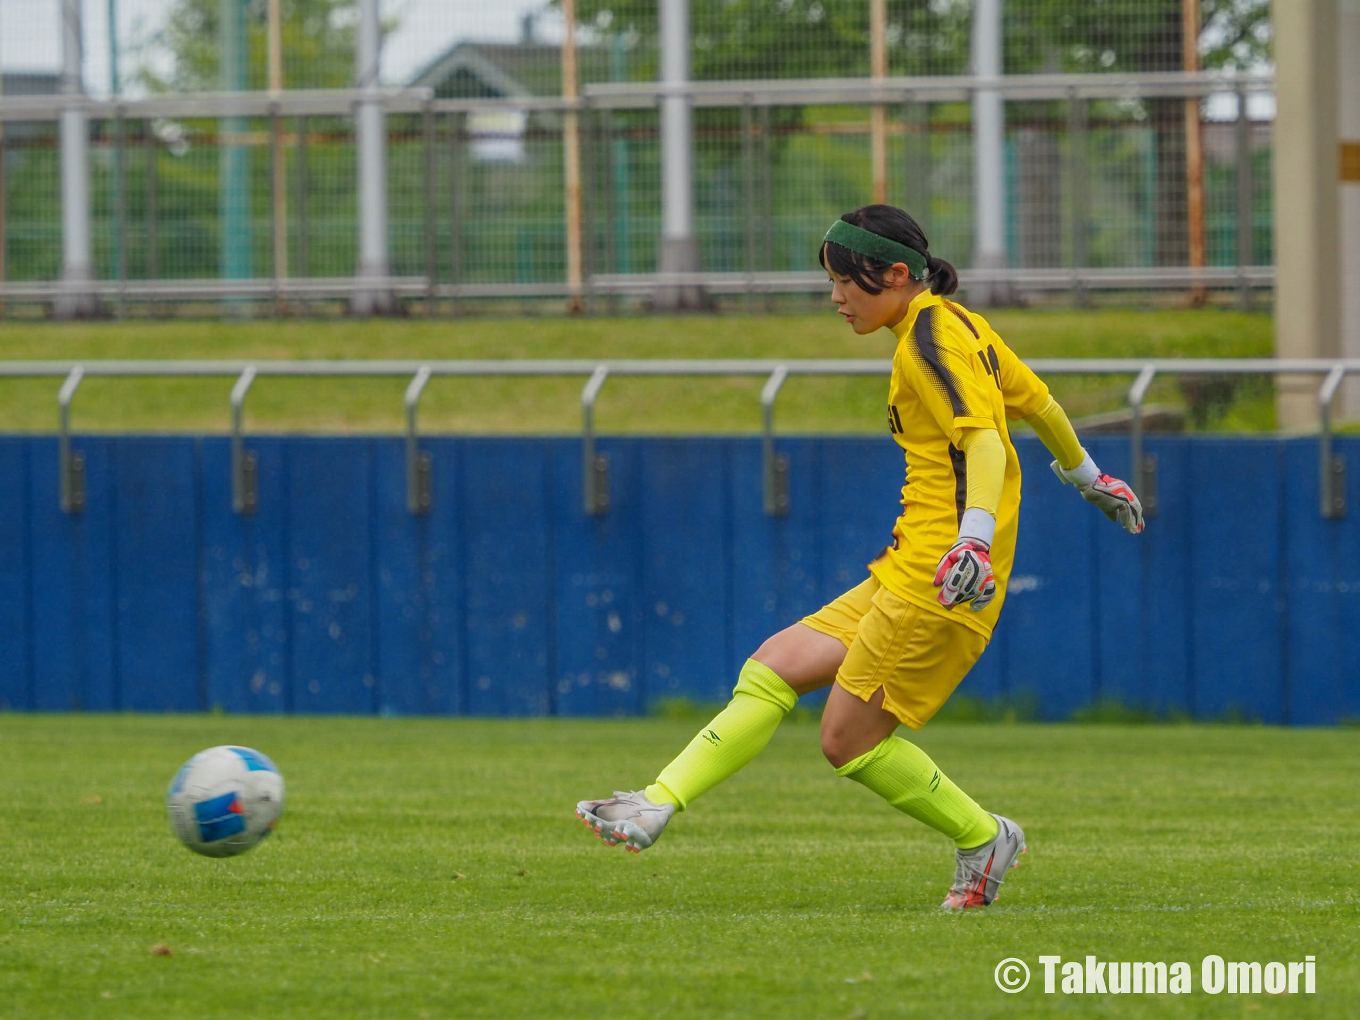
960	463
930	354
966	321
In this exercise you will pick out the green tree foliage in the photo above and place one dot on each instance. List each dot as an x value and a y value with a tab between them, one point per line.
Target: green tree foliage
318	45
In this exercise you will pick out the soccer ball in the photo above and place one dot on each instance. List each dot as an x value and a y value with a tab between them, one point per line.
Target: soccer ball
225	800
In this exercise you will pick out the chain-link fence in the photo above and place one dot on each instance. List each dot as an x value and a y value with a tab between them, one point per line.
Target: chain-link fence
1100	184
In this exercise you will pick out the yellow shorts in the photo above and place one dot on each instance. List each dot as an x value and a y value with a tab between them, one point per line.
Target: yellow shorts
916	656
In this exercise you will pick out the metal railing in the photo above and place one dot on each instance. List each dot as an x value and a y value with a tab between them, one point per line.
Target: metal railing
597	106
1331	465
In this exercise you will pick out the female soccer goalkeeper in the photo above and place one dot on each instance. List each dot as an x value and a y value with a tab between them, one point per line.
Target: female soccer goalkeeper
898	644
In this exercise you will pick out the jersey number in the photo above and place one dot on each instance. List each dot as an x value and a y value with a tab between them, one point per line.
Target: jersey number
991	365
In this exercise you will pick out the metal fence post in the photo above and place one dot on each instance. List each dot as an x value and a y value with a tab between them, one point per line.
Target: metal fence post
428	168
278	262
418	492
153	155
70	466
244	491
304	268
776	465
748	173
1080	201
120	249
595	483
1143	466
1245	257
455	209
1331	465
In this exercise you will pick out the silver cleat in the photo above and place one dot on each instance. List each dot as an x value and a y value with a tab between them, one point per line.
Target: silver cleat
627	818
978	873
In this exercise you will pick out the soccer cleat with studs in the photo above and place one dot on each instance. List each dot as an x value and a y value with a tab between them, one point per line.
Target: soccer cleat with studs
978	873
627	818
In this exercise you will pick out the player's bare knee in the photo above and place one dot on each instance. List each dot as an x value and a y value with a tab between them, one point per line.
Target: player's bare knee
836	745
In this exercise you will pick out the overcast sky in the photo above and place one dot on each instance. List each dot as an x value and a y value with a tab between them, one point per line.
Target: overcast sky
30	33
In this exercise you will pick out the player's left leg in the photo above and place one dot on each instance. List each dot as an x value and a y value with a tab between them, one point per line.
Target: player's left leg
903	665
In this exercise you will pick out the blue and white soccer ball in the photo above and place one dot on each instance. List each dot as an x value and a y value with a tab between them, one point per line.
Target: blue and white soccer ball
225	800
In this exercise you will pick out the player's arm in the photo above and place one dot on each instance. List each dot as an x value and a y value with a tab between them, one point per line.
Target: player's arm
1071	463
1027	397
965	572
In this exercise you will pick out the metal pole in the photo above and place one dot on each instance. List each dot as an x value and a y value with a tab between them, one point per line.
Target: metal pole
151	149
767	197
120	210
776	464
77	269
589	172
2	182
243	493
989	155
595	484
418	499
303	255
748	171
1332	483
1080	200
1143	467
571	158
1194	150
679	248
455	206
277	212
1242	138
878	113
278	177
370	139
428	152
233	156
70	487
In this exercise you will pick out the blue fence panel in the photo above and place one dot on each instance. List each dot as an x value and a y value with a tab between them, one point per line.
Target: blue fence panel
597	562
508	516
687	592
16	570
329	489
1145	601
508	599
1054	596
156	565
1236	578
247	611
1322	560
73	583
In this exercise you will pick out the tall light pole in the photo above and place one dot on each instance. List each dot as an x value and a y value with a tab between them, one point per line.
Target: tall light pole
679	247
370	138
989	157
74	298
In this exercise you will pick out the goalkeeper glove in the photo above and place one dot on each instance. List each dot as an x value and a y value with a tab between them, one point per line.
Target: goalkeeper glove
965	572
1111	496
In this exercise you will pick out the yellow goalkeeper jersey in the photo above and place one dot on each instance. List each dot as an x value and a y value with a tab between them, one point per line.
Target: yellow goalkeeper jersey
951	371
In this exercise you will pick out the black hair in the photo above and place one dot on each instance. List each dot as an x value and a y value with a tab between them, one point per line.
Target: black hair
870	275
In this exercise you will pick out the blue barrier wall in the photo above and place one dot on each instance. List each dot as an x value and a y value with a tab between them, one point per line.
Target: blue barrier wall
509	600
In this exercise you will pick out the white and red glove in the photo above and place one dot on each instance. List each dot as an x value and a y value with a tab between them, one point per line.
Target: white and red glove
965	572
1113	497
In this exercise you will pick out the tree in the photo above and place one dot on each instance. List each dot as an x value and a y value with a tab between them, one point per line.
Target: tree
318	45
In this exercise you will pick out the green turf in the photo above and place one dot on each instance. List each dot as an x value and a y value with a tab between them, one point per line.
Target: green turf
553	405
432	868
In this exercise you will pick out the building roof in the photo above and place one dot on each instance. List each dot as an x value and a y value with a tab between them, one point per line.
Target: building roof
29	83
477	70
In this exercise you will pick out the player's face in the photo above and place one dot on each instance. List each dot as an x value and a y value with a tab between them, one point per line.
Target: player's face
867	313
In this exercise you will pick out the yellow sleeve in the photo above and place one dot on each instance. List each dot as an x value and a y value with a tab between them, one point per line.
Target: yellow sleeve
1050	424
950	383
1023	391
985	458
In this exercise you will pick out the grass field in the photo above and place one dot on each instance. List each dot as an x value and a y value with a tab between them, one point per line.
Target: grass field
553	405
433	868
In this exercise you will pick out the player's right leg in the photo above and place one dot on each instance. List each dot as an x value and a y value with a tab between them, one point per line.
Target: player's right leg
795	661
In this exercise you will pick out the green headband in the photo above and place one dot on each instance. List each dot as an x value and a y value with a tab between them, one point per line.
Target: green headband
876	246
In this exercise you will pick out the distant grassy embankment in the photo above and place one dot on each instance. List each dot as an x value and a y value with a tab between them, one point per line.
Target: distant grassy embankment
552	405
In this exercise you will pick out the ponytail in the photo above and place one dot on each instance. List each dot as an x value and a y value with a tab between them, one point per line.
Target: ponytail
943	277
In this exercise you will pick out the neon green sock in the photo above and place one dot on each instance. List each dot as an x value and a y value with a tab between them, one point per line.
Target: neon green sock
736	735
903	775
